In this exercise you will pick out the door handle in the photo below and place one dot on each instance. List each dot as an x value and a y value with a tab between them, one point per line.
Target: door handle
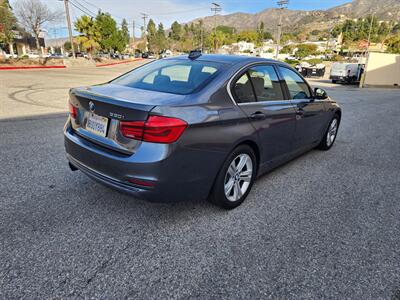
258	115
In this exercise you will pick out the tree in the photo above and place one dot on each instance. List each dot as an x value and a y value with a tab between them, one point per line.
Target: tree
33	14
152	35
89	33
226	29
125	31
268	36
107	28
356	30
288	49
394	44
247	36
304	50
396	28
176	31
260	33
8	24
161	39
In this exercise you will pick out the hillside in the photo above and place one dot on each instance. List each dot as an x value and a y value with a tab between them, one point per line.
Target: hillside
308	20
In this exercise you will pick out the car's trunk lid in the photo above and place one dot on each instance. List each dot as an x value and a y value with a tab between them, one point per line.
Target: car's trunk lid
105	106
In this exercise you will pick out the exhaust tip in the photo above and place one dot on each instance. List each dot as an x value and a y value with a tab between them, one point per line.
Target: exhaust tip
72	167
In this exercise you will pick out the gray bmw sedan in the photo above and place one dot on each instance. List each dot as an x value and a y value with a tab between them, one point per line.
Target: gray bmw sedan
196	127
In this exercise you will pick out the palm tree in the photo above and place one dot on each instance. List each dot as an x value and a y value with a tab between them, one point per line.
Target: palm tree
89	34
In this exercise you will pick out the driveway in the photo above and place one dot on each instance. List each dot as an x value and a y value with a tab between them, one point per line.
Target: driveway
325	225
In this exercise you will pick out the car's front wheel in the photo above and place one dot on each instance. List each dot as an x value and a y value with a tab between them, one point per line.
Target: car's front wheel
330	135
235	179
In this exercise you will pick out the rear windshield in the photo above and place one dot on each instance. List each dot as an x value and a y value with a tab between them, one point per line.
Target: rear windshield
171	76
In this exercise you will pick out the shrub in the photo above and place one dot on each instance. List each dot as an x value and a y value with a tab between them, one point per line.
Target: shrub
314	61
292	62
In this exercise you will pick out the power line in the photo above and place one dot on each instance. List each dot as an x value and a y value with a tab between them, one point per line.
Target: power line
82	9
91	4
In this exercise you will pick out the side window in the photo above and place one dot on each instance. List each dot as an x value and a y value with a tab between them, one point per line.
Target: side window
243	90
298	89
266	83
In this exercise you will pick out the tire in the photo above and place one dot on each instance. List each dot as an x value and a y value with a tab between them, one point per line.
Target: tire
330	135
230	176
334	81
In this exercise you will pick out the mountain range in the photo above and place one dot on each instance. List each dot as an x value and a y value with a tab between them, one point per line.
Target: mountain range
308	20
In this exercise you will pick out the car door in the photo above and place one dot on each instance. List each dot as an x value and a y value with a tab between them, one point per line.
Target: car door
309	111
258	92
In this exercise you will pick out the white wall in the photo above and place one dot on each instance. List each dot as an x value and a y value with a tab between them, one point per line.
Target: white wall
383	70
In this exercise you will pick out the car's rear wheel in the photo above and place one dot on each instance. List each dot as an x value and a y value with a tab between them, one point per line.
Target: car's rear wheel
235	179
330	135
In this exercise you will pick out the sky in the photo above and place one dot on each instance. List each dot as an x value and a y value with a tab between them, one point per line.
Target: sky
167	11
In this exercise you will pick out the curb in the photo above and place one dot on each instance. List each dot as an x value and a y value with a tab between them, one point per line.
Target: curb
119	63
31	67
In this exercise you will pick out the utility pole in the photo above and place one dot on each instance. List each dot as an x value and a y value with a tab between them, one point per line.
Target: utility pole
216	9
71	40
144	31
370	31
202	38
133	32
282	5
362	79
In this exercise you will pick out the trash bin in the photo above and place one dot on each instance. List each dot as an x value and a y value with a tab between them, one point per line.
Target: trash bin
315	71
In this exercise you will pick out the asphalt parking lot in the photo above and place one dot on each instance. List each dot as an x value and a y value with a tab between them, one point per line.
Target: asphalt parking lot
325	225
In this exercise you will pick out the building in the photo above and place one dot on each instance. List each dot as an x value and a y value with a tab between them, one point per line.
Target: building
24	44
382	70
243	46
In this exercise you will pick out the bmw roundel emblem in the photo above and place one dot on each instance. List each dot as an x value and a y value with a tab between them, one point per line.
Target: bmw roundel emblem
91	106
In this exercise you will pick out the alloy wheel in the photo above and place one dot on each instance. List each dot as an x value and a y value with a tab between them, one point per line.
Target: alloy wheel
238	177
332	131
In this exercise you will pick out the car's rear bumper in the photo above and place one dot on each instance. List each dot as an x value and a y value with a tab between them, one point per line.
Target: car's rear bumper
337	78
107	181
177	174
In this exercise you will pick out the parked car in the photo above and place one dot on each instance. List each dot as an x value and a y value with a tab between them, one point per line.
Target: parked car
125	56
119	56
6	55
56	55
197	127
149	55
165	54
33	55
346	72
79	54
103	55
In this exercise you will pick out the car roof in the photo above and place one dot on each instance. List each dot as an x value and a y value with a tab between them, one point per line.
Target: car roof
230	59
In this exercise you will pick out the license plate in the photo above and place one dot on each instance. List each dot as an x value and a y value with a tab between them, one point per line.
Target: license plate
97	125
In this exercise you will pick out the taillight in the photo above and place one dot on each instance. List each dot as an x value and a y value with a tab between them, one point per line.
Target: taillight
157	129
133	130
73	111
163	129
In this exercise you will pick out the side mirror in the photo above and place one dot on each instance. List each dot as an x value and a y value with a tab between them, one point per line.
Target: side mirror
320	94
